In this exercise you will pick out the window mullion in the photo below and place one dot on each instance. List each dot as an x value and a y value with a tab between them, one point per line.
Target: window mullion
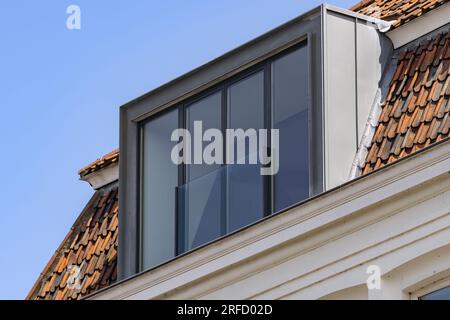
268	179
224	207
180	227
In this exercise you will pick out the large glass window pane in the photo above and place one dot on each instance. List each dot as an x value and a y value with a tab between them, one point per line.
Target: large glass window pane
160	178
204	190
209	112
244	181
290	116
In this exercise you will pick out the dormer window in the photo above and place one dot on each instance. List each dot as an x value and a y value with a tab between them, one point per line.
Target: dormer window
279	81
184	206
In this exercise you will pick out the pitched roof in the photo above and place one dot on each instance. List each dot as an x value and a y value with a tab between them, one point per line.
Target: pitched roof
86	259
416	110
397	11
415	114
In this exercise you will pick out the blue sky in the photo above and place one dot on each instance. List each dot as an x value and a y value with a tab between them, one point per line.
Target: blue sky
60	93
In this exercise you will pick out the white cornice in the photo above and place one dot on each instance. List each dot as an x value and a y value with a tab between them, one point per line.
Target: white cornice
420	26
102	177
337	205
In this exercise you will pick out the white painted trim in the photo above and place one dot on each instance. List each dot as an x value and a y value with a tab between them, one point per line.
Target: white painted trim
426	273
322	246
102	177
420	26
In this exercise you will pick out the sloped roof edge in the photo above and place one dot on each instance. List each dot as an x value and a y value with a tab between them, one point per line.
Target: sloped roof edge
398	12
100	163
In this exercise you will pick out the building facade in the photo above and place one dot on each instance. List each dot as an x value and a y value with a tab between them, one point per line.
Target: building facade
358	208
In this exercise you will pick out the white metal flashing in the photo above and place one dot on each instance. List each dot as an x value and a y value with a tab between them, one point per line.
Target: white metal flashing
381	25
366	138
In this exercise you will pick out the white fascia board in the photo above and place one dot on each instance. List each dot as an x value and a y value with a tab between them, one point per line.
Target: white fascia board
102	177
338	204
420	26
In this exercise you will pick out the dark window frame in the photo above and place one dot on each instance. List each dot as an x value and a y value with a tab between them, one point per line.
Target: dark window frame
229	68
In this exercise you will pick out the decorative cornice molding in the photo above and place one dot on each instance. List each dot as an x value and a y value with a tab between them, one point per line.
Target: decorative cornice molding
102	177
330	207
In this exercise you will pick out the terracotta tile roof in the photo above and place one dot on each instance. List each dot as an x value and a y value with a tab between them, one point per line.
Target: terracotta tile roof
416	111
86	259
106	160
398	11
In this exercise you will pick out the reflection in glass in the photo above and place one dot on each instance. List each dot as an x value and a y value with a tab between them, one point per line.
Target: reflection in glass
290	116
244	182
160	178
199	204
208	111
215	198
203	197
